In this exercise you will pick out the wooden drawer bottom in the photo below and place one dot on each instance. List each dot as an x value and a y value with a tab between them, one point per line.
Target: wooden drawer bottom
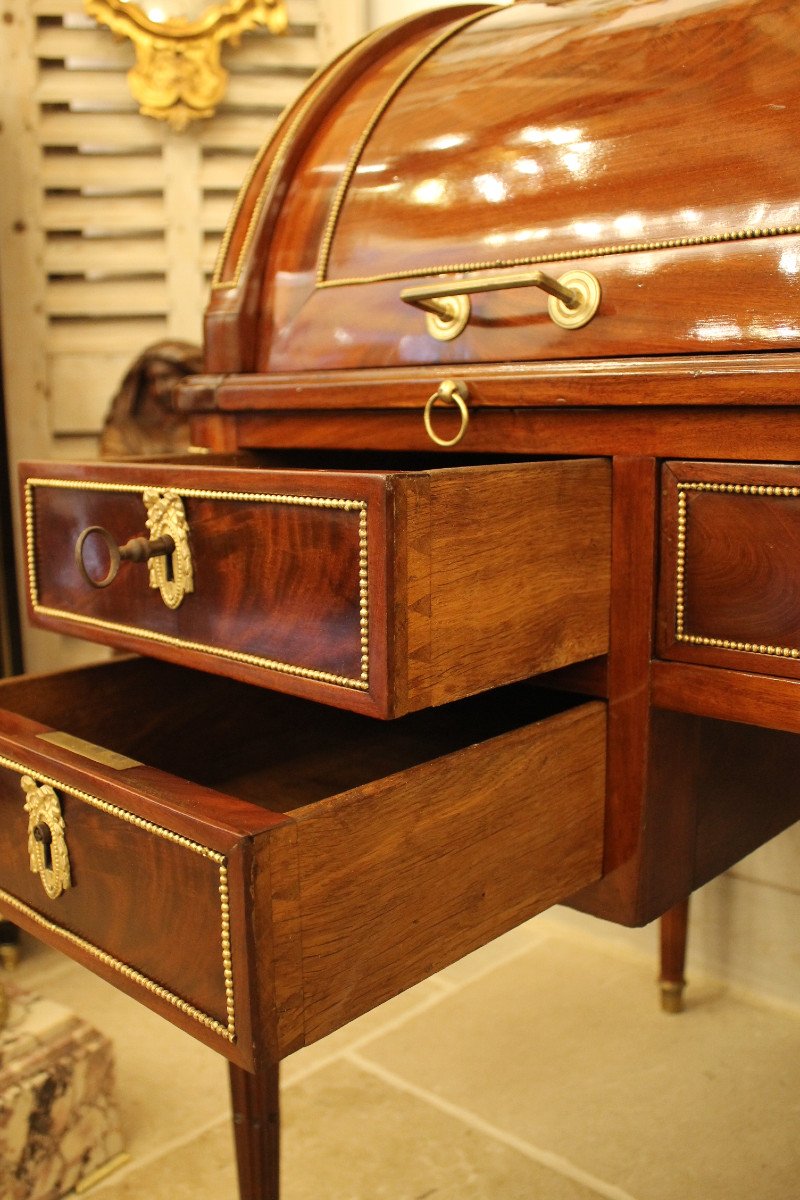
261	869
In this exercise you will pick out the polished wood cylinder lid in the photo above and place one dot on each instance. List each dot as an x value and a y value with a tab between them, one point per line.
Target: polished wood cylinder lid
495	184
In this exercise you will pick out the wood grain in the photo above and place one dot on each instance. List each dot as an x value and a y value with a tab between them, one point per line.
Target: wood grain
734	530
398	881
520	566
633	567
163	848
255	1104
380	193
727	695
379	591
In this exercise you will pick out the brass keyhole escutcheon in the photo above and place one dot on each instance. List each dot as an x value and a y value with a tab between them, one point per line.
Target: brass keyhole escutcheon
47	842
172	575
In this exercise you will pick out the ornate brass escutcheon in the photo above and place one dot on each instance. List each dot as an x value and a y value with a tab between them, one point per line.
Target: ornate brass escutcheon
166	518
47	846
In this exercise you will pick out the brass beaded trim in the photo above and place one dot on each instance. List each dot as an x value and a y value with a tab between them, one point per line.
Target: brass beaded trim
358	150
732	235
743	489
227	1031
227	236
239	656
711	239
217	282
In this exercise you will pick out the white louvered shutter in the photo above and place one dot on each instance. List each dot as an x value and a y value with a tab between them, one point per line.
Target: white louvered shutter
110	221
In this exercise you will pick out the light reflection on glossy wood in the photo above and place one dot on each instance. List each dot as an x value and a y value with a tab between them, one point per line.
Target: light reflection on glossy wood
529	133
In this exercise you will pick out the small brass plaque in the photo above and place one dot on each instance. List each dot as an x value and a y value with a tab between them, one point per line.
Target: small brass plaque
98	754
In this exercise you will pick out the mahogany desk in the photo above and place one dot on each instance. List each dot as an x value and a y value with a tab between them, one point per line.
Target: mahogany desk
481	593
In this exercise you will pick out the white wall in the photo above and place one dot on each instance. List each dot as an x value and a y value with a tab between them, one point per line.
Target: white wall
743	926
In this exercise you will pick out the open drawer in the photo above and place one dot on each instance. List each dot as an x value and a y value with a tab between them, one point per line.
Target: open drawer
260	869
381	591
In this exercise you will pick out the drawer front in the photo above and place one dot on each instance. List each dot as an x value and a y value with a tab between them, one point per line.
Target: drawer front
730	566
382	592
132	888
400	846
280	580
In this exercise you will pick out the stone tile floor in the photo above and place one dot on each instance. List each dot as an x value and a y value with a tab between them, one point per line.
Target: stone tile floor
540	1068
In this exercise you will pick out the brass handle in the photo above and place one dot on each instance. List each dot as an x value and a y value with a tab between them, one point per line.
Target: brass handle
574	299
136	550
449	391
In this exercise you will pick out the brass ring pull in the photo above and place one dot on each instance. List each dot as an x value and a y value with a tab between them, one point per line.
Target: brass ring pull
449	391
136	550
573	299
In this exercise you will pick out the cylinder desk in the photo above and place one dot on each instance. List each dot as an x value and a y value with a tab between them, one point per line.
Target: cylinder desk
480	588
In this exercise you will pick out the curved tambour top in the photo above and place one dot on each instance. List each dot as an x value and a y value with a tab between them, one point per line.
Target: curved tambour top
651	144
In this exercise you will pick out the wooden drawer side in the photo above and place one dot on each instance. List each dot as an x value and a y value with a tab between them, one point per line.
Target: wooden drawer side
380	591
401	878
516	567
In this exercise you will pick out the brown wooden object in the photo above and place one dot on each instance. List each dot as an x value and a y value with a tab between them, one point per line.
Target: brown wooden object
255	1106
380	591
403	845
547	524
673	932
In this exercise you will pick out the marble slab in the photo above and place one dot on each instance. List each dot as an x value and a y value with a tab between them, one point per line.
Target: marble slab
59	1123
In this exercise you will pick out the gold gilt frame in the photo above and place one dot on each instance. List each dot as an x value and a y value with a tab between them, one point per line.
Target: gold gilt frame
178	75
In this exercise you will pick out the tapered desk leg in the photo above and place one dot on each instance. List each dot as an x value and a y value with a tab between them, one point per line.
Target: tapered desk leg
674	932
256	1127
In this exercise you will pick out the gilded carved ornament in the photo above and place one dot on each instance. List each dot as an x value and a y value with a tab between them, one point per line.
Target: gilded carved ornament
47	845
178	76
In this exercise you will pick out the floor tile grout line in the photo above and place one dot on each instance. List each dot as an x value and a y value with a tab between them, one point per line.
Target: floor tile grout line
512	956
389	1026
395	1023
545	1158
137	1163
448	988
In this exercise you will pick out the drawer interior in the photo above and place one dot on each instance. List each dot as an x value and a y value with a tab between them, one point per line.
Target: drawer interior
279	752
360	856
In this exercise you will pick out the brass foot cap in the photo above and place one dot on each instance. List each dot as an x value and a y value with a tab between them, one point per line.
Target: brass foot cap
9	956
672	997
